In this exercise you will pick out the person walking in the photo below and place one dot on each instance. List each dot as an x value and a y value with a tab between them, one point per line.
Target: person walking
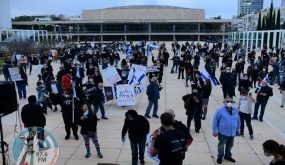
88	123
153	96
263	94
272	148
206	92
226	123
137	127
99	100
21	84
245	109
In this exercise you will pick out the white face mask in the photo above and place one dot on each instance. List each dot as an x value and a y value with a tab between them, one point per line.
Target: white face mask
229	105
267	154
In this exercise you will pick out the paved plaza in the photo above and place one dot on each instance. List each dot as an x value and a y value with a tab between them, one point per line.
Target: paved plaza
203	150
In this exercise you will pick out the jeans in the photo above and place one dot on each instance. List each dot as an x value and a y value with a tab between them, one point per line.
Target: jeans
7	77
135	146
149	107
101	106
174	66
21	90
247	118
227	141
256	106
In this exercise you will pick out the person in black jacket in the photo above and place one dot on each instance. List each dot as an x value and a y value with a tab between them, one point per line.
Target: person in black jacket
263	94
227	81
206	92
33	116
193	106
99	100
137	127
88	122
282	91
181	66
70	106
21	84
244	83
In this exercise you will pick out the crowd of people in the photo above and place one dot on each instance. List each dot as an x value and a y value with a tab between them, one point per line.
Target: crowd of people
80	101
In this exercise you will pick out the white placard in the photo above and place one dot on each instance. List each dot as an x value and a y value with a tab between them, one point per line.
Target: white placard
147	148
126	95
14	73
111	75
36	69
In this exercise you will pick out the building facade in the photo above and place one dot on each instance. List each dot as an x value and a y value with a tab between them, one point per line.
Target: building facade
249	6
134	23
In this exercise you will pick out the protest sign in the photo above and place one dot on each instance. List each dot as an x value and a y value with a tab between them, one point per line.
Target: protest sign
36	69
14	73
109	93
148	145
125	95
111	75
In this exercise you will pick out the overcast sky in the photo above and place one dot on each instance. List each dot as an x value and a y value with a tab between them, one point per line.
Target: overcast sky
225	8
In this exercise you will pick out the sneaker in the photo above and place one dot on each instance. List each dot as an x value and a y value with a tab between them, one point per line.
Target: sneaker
204	117
100	155
219	160
261	120
251	137
254	118
281	106
142	161
87	155
67	137
155	116
76	137
147	116
197	131
230	159
105	118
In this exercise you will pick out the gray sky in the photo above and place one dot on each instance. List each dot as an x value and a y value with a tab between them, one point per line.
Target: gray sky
225	8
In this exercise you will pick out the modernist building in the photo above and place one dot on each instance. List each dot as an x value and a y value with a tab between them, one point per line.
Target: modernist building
135	23
249	6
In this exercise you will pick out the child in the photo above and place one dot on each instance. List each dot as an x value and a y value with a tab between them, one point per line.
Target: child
88	123
245	109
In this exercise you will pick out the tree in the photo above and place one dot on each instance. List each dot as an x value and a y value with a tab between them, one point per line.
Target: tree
278	23
57	18
218	17
21	47
259	26
23	18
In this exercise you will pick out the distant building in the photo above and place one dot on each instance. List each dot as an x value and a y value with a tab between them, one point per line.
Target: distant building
249	6
135	23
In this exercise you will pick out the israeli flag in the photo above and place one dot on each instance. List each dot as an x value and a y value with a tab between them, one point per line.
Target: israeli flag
136	77
124	48
206	76
138	90
266	78
74	90
129	51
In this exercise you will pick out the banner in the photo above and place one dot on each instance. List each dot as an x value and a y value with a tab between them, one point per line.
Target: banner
111	75
147	148
14	73
126	95
36	69
109	93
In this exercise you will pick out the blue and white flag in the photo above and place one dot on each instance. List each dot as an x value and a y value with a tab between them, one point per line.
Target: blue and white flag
266	78
137	74
129	51
206	76
138	90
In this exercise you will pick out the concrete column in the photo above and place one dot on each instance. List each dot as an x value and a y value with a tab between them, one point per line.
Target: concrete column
198	37
78	38
199	28
268	38
274	39
39	35
262	39
34	35
125	37
280	36
149	32
247	39
256	43
243	38
251	40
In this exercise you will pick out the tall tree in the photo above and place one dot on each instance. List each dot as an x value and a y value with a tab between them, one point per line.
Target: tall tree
259	26
278	23
270	22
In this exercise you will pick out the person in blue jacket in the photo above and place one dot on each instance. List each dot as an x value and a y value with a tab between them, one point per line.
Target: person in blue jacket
226	124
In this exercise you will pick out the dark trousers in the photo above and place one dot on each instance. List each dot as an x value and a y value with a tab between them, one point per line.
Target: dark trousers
138	148
227	92
247	118
69	125
197	120
102	109
21	90
225	141
256	107
181	72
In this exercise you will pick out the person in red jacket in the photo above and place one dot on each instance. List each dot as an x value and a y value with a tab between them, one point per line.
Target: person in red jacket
66	81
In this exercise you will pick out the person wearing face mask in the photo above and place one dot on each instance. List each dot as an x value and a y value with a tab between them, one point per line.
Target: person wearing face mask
226	123
245	110
193	106
272	148
137	127
263	94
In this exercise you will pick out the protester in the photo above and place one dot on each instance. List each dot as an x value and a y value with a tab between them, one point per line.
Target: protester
21	84
153	96
226	123
263	94
99	100
206	92
137	127
282	91
245	110
170	145
272	148
88	122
